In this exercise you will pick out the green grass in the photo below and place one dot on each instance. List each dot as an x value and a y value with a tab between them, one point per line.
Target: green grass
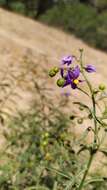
41	153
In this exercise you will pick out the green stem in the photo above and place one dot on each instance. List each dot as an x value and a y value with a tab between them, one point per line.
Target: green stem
92	97
86	172
95	124
95	121
82	71
83	91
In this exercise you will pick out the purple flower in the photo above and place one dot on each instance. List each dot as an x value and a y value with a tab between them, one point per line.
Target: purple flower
72	77
90	68
67	60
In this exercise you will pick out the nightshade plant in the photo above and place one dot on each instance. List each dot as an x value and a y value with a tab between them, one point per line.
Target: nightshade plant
72	72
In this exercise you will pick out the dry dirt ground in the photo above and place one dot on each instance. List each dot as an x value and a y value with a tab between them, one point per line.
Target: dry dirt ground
28	47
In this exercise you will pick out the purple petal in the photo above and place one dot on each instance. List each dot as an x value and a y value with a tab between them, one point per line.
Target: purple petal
90	68
67	82
74	74
67	60
62	72
70	74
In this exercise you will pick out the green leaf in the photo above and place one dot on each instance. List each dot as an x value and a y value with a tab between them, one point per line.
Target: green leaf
83	136
36	188
82	149
55	185
103	151
94	179
103	124
60	173
83	105
70	184
75	179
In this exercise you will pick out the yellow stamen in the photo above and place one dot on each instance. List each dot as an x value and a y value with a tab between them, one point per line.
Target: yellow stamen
76	81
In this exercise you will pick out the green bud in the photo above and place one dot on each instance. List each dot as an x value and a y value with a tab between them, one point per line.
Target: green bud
95	91
102	87
72	117
60	82
80	121
81	49
52	73
63	136
90	116
81	108
46	135
105	129
56	69
48	156
89	128
44	143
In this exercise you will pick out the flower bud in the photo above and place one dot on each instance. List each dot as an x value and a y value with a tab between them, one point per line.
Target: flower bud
95	91
81	108
63	136
89	128
44	143
46	135
105	178
81	49
52	73
48	156
105	129
80	121
56	69
72	117
102	87
90	116
60	82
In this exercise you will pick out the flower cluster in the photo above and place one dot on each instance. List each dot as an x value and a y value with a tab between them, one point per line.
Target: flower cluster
69	74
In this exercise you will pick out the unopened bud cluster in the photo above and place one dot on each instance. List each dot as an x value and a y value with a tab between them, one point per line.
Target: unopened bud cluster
53	71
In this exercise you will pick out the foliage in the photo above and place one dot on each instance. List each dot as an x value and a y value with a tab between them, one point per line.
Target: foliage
27	7
82	20
18	7
2	2
101	4
102	31
37	142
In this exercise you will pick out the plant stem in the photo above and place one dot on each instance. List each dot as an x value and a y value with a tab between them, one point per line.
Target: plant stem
86	172
92	97
83	91
95	125
95	122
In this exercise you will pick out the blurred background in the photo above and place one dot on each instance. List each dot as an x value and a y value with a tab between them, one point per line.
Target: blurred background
87	19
